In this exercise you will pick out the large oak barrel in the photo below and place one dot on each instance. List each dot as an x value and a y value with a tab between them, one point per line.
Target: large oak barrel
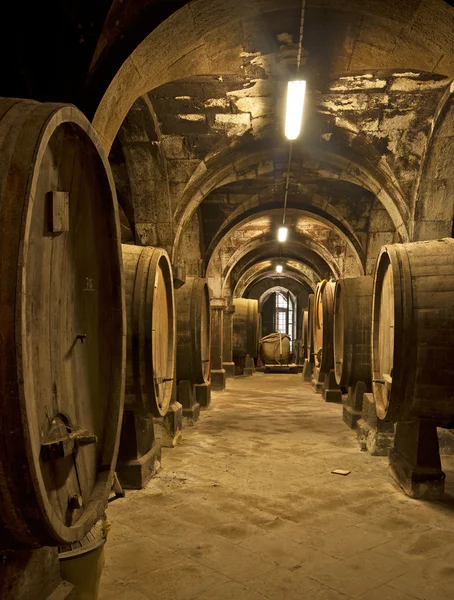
245	328
352	329
193	331
413	331
323	325
310	325
150	310
62	324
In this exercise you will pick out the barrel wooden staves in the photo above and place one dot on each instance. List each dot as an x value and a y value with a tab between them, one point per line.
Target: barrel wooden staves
323	325
305	328
193	331
151	333
413	332
310	326
352	330
245	328
62	323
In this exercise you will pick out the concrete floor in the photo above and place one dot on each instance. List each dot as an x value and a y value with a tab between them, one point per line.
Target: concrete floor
246	508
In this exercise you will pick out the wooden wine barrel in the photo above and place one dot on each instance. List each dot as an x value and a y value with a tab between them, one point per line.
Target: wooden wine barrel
245	328
275	349
193	331
150	311
413	331
323	325
310	325
62	324
352	329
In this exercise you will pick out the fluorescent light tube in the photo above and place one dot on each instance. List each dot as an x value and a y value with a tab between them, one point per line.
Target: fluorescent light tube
295	101
282	234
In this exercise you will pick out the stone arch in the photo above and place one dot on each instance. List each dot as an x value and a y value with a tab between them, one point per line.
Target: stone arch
433	212
197	28
298	271
234	165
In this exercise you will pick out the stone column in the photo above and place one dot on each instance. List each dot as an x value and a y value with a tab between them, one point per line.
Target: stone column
228	363
217	335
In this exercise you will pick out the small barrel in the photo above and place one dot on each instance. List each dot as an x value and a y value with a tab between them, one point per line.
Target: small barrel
352	329
323	325
150	311
192	302
62	323
275	349
413	331
310	327
245	328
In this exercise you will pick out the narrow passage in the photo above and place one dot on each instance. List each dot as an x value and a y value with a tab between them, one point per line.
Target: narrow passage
246	508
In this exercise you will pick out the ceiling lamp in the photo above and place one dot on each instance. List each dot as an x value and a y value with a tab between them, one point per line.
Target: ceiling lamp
279	268
282	234
295	102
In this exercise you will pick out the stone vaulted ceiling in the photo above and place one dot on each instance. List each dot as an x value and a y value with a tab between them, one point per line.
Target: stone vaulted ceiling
210	159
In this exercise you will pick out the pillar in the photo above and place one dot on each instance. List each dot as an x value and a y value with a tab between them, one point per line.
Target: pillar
228	364
217	335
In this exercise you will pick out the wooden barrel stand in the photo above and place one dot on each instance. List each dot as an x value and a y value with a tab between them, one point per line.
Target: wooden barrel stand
412	350
150	365
193	347
352	330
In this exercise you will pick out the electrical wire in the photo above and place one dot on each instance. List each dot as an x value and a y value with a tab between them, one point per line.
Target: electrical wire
298	64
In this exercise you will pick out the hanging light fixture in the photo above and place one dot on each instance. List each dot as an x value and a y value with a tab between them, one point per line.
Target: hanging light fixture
279	268
296	92
282	234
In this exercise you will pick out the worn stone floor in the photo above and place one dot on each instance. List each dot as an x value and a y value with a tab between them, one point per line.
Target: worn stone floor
246	508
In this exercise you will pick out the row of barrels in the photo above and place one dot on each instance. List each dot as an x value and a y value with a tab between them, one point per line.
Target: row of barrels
87	326
393	331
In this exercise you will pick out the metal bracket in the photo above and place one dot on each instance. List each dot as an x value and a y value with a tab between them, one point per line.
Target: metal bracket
67	445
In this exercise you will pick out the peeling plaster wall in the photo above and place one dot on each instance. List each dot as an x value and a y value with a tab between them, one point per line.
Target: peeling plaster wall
394	112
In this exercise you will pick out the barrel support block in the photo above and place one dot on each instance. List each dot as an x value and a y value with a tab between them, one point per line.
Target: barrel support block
139	457
135	474
414	461
353	404
317	380
308	370
374	435
331	392
218	377
229	368
249	366
169	429
186	397
203	394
